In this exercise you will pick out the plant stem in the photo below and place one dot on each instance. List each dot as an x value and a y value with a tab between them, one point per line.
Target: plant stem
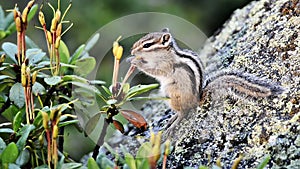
129	72
49	147
115	72
100	140
165	161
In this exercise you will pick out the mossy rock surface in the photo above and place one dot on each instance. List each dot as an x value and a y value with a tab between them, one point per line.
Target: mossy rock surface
260	39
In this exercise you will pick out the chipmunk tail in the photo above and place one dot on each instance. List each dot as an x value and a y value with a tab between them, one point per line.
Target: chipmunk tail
242	85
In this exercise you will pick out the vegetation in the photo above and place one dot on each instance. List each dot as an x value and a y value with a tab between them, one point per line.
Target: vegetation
38	91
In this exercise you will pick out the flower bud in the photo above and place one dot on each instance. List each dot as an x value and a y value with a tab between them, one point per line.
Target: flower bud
53	25
42	18
45	119
27	75
58	30
24	14
23	74
55	114
30	4
119	53
55	132
57	14
57	42
41	140
15	13
115	48
34	74
2	59
18	24
49	37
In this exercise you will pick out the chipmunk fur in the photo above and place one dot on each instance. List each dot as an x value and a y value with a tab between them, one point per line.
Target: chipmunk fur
180	73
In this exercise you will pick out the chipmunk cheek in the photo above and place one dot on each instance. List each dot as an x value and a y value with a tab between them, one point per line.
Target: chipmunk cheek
137	60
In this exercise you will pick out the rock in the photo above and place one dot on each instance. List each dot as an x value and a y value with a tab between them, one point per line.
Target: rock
260	39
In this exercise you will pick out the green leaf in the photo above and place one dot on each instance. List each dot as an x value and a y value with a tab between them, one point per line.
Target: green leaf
85	86
106	90
16	94
10	153
38	88
76	54
92	123
104	162
18	119
11	28
126	87
60	163
71	165
24	133
144	151
23	158
2	77
74	78
264	163
63	52
47	63
139	89
97	82
86	97
2	34
85	66
130	161
34	55
65	123
30	43
111	101
10	49
32	12
13	166
6	130
38	120
92	41
143	163
147	98
10	112
92	164
2	146
9	19
54	80
2	17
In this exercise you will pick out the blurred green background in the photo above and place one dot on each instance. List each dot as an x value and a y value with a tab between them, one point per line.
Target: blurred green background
90	15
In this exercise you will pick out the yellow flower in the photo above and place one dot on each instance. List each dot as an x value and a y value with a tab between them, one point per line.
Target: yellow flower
117	49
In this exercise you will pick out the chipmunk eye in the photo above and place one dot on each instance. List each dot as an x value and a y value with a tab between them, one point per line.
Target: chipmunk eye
147	45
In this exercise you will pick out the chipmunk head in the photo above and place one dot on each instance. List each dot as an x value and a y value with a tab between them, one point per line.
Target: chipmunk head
152	51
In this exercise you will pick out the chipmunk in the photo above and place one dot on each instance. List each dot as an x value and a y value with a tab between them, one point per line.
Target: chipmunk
180	73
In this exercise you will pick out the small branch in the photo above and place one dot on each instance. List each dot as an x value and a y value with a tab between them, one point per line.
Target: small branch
100	140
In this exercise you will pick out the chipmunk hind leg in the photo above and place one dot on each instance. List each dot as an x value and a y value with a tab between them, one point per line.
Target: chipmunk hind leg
172	123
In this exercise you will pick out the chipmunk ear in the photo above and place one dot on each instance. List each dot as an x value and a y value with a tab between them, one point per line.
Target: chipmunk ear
166	30
165	38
